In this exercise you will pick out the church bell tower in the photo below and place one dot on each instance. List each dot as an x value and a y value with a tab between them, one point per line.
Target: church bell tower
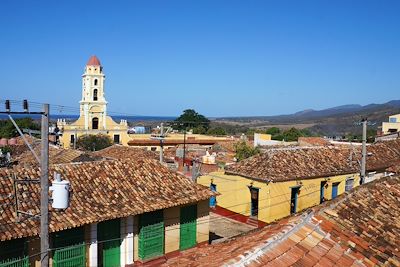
93	106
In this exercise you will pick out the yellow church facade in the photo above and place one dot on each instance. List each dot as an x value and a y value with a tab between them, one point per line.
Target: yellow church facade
93	117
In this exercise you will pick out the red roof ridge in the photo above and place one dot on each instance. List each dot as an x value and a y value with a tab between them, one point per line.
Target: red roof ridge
93	61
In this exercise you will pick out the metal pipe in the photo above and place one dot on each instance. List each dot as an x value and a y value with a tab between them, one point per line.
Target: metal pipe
364	151
161	143
23	138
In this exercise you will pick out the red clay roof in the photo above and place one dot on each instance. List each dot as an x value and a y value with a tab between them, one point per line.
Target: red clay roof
171	142
124	152
56	156
312	141
101	190
356	229
296	163
93	61
311	162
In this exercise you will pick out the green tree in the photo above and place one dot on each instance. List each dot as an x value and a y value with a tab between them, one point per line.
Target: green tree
244	151
293	134
199	130
91	142
7	129
191	119
216	131
273	131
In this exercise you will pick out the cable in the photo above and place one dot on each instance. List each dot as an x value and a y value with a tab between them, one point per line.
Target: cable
38	105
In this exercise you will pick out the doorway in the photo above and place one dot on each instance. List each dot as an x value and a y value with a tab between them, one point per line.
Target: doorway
322	192
116	138
95	123
294	199
254	192
213	199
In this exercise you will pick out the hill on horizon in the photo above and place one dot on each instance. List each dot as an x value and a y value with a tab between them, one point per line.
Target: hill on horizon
339	120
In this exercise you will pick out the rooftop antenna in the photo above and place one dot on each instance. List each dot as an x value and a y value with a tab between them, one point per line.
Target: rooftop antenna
161	138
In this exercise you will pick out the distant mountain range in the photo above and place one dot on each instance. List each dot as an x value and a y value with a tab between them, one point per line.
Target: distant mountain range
352	108
340	120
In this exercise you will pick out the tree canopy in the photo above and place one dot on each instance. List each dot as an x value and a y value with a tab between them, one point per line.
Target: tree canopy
291	135
244	151
91	142
7	129
191	119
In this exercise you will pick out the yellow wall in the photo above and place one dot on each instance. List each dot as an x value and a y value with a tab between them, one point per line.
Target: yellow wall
391	125
274	198
77	128
172	229
203	221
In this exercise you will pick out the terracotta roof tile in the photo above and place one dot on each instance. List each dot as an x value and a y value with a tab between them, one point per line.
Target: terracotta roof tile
124	152
301	163
323	240
101	190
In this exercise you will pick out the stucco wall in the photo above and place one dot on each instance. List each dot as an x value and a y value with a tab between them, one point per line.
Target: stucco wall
390	125
274	198
203	221
77	128
172	229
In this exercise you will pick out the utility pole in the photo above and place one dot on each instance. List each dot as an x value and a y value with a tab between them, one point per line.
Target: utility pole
44	186
162	144
364	150
75	137
44	176
184	147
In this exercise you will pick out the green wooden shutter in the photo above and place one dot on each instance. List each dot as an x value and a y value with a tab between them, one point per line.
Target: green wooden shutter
188	229
109	236
13	253
151	235
69	248
71	256
17	262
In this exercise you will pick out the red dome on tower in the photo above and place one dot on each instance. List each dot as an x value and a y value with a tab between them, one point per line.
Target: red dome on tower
93	61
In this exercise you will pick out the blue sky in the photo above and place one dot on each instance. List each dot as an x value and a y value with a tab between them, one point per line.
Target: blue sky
222	58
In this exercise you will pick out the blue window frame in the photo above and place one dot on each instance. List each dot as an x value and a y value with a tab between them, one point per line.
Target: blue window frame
335	187
213	199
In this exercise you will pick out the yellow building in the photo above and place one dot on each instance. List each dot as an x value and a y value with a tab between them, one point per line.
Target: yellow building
393	126
281	182
263	139
149	141
93	117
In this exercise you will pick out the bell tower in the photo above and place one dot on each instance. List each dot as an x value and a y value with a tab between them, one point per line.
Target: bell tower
93	106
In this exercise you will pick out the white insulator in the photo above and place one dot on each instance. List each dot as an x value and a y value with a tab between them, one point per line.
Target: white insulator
60	194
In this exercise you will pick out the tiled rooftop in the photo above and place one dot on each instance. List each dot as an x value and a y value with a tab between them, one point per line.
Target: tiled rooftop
295	163
124	152
101	190
301	163
56	156
356	229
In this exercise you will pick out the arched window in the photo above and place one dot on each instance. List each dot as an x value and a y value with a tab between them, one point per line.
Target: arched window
95	81
95	123
95	95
